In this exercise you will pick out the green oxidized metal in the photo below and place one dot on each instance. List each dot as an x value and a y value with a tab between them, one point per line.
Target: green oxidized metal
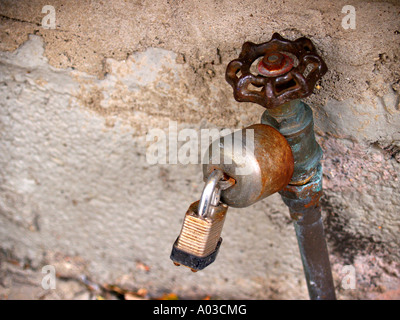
294	120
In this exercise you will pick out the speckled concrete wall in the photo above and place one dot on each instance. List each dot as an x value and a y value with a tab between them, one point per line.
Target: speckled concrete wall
77	102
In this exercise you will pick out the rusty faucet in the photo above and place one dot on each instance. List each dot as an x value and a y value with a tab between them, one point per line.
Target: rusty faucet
284	158
287	72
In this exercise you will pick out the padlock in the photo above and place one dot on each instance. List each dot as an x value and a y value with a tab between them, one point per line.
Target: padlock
257	158
200	238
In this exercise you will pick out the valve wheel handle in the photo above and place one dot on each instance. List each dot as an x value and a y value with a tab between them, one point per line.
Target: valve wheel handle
279	79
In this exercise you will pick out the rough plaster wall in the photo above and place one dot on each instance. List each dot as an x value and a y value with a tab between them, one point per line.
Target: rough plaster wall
77	102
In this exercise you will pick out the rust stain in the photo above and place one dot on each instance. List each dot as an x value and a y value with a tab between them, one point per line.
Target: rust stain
277	165
287	84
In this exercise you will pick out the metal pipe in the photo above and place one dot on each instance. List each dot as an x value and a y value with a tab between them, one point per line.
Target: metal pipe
305	210
314	255
302	195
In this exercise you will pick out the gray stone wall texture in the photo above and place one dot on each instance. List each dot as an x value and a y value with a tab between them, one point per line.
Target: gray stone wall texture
76	104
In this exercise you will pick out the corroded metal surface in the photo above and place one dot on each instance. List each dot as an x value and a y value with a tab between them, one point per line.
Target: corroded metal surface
282	85
275	64
294	120
304	206
269	165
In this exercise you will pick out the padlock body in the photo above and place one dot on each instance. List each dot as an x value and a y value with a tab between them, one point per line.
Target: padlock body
200	238
265	167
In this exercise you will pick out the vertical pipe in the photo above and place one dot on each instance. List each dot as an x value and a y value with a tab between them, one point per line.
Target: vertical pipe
295	121
315	258
304	206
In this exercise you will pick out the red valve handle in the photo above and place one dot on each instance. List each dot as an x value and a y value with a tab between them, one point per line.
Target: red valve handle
279	79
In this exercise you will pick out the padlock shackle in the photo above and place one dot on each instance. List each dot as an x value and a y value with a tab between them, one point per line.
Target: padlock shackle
211	193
